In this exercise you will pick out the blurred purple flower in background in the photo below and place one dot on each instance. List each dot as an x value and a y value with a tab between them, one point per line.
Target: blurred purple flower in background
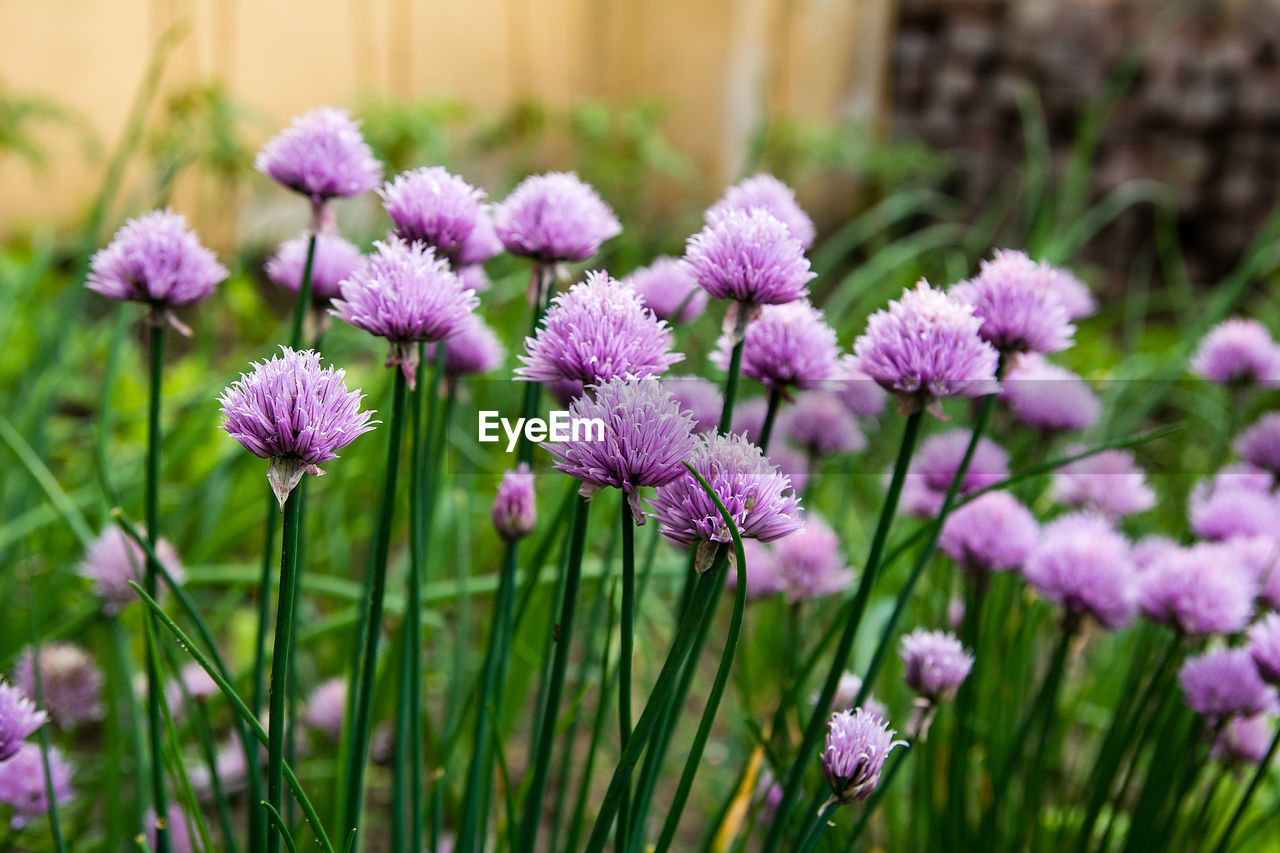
192	681
114	559
1264	646
808	564
749	257
861	394
771	195
1224	683
787	346
936	664
179	833
554	217
515	507
818	423
857	745
1238	351
935	464
24	787
1043	395
70	682
481	244
666	287
321	155
1083	565
699	397
1198	590
335	260
991	533
472	348
1109	482
1259	445
19	718
1233	505
1073	293
1019	307
1245	739
326	707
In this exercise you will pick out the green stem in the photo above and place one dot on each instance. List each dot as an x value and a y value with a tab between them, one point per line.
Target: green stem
809	841
770	415
280	662
562	632
957	764
817	722
361	693
627	652
204	733
304	293
735	367
1259	773
886	779
154	686
1043	711
126	715
597	731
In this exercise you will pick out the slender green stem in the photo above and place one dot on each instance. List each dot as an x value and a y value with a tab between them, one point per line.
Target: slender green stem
50	793
204	733
628	628
126	714
1259	773
154	686
1043	711
957	764
809	841
304	293
563	633
597	731
770	415
264	609
813	732
361	694
895	763
731	386
280	662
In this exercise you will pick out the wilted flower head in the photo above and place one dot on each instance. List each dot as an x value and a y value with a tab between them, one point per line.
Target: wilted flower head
857	745
821	425
991	533
433	206
1224	683
1073	293
788	346
770	194
321	155
23	783
750	257
808	563
70	682
1264	646
926	346
335	260
18	719
646	437
473	348
699	397
1199	590
1109	482
1233	505
936	463
598	330
481	245
326	707
936	664
1260	444
405	293
1049	397
154	259
179	833
554	217
1083	565
1238	351
515	507
114	559
758	497
1245	739
666	288
295	414
1019	307
861	394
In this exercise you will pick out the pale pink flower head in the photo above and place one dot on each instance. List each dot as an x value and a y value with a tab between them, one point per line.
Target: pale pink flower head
24	786
321	155
1238	352
19	718
1264	646
991	533
818	423
1018	305
857	745
1245	740
808	563
699	397
554	217
770	194
515	507
335	260
326	707
936	664
749	257
472	349
179	833
1224	683
114	559
481	245
1073	293
1259	445
787	346
70	683
763	579
1083	565
1198	590
1043	395
1109	482
936	463
433	206
667	290
1233	504
192	681
861	394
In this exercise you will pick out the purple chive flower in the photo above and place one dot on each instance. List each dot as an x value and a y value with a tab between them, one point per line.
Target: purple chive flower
598	330
481	245
1236	352
114	559
808	563
1150	551
699	397
70	682
156	260
935	464
769	194
936	664
433	206
860	394
566	390
472	349
787	346
1230	506
857	745
847	690
1264	646
756	494
992	533
326	707
23	784
821	425
749	257
1073	293
1224	683
196	683
515	508
1259	445
231	768
1019	308
335	261
664	287
475	278
1109	482
1245	740
321	155
295	414
768	794
645	438
1046	396
405	293
1083	565
1198	591
554	217
926	346
763	579
179	832
19	718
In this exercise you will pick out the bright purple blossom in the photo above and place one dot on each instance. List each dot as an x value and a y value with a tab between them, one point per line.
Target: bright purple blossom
1260	444
756	494
772	195
1046	396
1083	565
326	708
295	414
335	261
1264	645
1149	551
70	683
19	718
808	563
1019	308
23	784
861	394
473	348
787	346
665	287
936	664
515	507
1224	683
857	745
1197	591
699	397
1109	482
114	559
1238	351
818	423
749	257
926	346
935	464
321	155
598	330
992	533
554	217
433	206
1245	739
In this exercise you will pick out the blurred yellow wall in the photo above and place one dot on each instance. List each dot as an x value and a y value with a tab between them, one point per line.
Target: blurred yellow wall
717	63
